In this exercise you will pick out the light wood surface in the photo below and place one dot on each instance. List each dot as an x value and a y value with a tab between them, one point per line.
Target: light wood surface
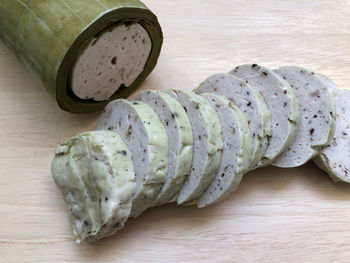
295	215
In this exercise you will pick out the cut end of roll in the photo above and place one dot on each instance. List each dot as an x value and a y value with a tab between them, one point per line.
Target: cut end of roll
114	58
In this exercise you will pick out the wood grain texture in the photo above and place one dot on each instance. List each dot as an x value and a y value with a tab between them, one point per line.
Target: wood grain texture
295	215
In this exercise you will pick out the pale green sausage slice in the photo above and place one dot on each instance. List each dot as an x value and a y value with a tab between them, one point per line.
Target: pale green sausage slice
141	129
317	116
236	153
179	130
95	174
207	144
280	100
335	157
250	102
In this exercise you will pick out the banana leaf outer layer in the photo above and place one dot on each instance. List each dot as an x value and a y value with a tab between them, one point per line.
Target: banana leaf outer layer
48	35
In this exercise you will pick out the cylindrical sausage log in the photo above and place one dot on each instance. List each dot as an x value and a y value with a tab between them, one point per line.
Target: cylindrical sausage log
85	52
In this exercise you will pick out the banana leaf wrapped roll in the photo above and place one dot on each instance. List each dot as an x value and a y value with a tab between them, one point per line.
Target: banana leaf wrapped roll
85	52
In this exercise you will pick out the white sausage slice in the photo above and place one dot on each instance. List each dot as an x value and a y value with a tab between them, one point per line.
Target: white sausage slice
207	144
140	128
236	154
317	116
250	102
179	130
281	102
335	157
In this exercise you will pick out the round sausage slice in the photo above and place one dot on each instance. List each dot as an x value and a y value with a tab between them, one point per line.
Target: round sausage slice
334	158
236	153
207	144
140	128
280	100
250	102
179	130
317	116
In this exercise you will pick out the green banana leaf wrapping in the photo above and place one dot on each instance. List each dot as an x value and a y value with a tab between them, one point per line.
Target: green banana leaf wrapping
47	36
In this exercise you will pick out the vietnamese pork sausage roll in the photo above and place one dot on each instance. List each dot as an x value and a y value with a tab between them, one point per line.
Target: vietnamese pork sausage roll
85	52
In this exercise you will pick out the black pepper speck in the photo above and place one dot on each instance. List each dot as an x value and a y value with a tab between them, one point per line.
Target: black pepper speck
312	131
123	152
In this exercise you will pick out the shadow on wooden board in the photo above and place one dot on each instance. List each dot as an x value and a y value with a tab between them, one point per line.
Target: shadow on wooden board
270	184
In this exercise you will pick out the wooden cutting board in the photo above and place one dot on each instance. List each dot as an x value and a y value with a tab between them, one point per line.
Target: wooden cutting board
295	215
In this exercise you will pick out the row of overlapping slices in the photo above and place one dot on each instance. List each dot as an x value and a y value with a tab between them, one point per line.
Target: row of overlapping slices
193	147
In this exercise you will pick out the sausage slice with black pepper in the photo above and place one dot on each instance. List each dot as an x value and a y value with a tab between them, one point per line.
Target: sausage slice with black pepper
280	100
334	158
207	144
236	153
140	128
178	128
250	102
317	116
